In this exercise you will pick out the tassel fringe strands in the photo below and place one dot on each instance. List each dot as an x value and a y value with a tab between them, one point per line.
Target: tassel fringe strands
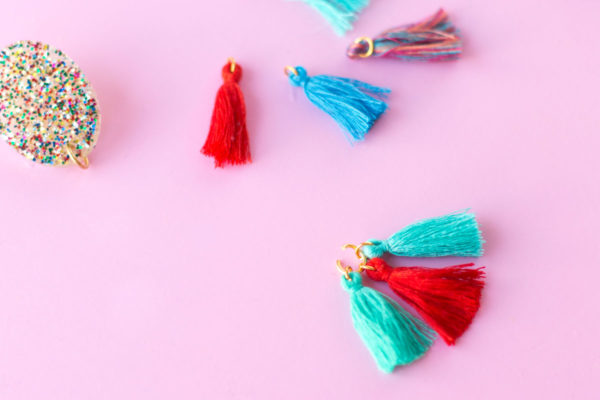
339	13
446	298
227	139
392	335
455	234
353	104
433	39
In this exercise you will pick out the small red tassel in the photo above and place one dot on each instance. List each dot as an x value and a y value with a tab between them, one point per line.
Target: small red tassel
447	298
227	139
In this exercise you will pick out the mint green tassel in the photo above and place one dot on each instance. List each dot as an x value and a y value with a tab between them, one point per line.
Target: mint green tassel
450	235
393	336
339	13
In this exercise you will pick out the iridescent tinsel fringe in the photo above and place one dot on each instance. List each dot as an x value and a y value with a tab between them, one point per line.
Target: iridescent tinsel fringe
433	39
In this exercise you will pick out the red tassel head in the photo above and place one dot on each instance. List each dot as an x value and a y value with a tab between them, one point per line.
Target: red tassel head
381	271
231	72
227	139
447	298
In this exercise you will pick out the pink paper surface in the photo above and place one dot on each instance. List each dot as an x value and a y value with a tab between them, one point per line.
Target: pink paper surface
154	276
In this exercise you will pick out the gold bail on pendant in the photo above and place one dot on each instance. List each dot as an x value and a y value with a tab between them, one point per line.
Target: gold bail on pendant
371	48
82	162
290	70
344	270
359	254
231	61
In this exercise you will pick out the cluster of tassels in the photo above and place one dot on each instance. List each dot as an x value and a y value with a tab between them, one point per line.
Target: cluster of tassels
447	299
353	104
433	39
356	105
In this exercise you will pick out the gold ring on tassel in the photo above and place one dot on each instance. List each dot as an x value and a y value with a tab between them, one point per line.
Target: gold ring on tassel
289	69
371	48
231	64
360	255
82	162
344	270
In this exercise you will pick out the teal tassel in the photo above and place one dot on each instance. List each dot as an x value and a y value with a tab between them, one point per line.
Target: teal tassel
354	105
450	235
339	13
393	336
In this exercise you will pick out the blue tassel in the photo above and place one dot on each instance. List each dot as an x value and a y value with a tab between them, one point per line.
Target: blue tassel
450	235
339	13
354	105
393	336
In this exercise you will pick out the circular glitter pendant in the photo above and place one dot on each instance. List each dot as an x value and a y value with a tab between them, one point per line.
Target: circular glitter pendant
48	110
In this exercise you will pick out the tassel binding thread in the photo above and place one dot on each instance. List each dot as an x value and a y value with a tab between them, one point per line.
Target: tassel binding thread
433	39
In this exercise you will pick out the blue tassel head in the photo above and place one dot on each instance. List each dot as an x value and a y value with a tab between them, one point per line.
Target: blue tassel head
455	234
393	336
353	104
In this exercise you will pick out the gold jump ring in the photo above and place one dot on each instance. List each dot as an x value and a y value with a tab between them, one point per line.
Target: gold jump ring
82	162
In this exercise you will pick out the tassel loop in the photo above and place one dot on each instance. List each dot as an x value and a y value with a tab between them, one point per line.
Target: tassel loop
297	75
379	271
231	72
363	47
376	248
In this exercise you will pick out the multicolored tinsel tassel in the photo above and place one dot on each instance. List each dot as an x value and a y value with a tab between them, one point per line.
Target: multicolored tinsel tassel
433	39
339	13
353	104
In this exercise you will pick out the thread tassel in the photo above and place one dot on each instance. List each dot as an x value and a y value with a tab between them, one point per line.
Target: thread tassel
455	234
353	104
340	14
446	298
433	39
227	140
393	336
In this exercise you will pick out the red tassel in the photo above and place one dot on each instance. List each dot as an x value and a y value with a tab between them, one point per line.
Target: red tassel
227	139
447	298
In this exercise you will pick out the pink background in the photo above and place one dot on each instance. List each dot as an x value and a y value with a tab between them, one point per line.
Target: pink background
154	276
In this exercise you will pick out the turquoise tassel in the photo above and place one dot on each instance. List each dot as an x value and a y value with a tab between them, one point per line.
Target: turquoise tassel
354	105
339	13
450	235
393	336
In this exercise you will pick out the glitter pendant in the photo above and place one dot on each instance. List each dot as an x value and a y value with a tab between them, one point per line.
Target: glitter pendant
48	110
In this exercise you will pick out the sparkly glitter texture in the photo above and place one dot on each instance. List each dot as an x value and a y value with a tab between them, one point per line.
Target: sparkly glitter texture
46	104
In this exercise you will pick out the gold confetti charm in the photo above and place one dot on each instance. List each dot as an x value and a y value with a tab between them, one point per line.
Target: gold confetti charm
48	110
